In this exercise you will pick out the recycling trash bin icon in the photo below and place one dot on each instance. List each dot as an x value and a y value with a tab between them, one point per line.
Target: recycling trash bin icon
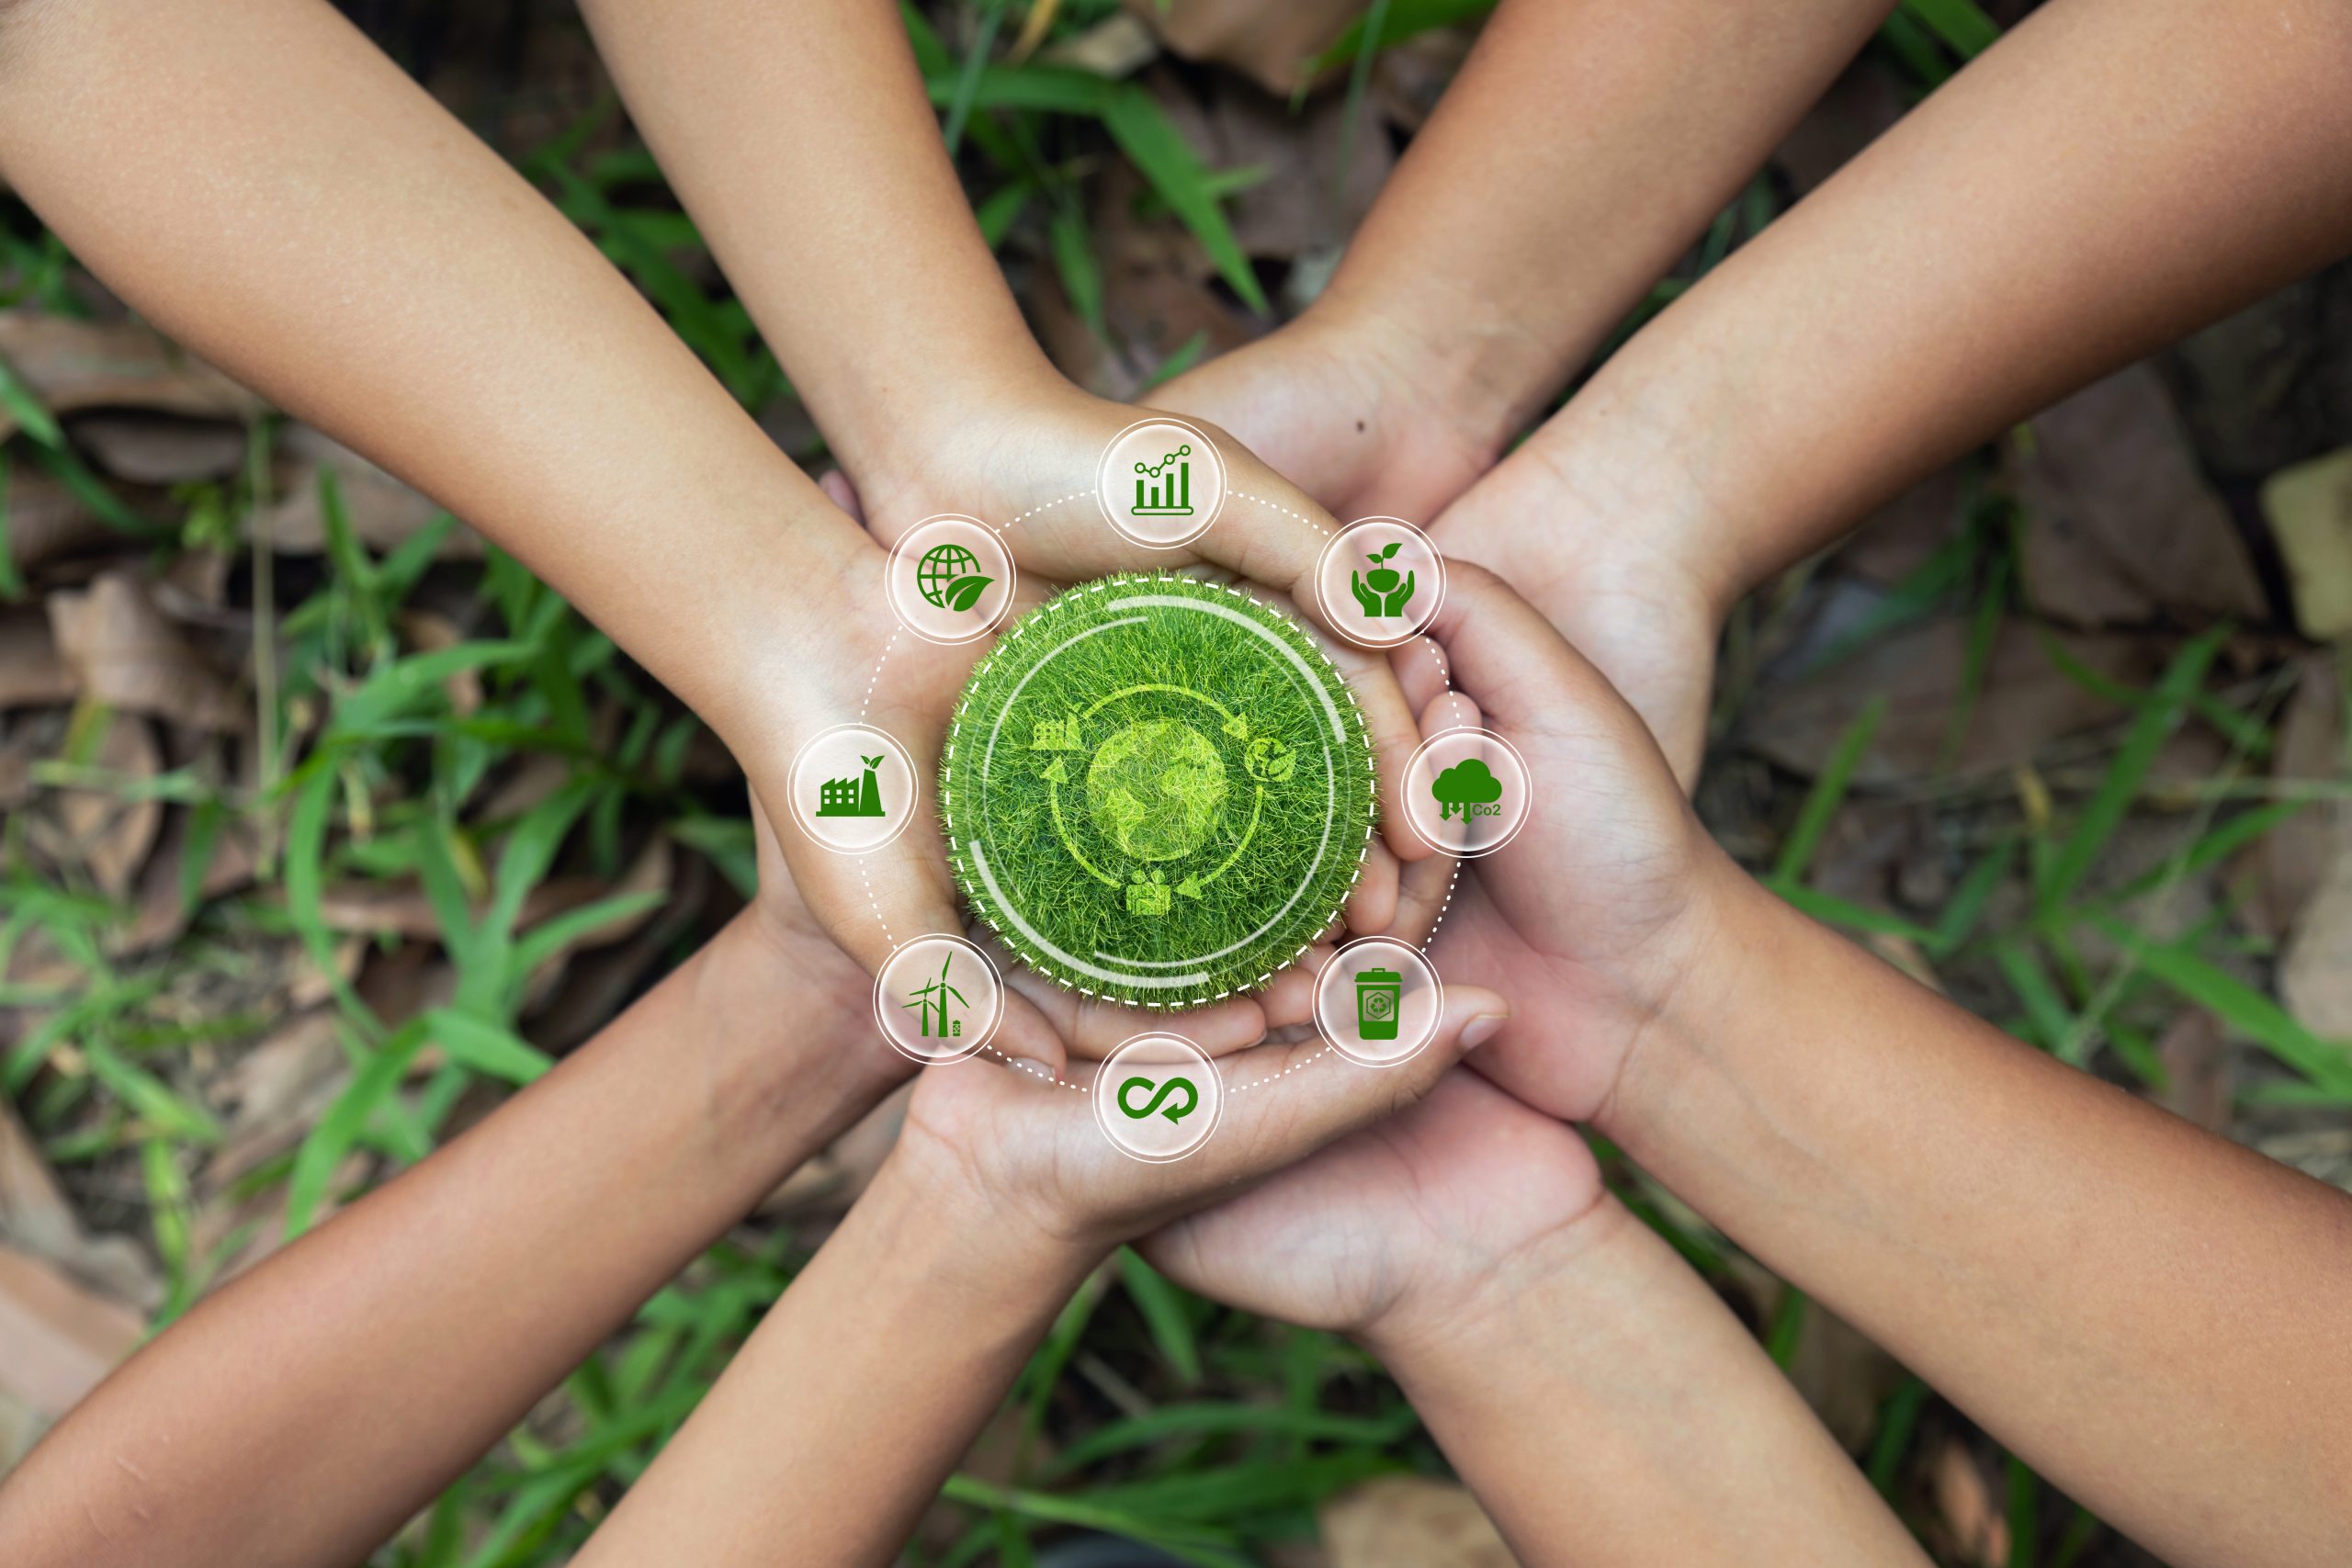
1379	993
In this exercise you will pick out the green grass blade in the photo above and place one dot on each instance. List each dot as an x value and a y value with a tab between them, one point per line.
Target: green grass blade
1832	910
338	1132
2154	723
1961	24
486	1048
1164	1313
1145	134
1827	794
2242	1009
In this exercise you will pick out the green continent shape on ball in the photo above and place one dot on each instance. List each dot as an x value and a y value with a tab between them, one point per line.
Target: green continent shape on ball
1157	790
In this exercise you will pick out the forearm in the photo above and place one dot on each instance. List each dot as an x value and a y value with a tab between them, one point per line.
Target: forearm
840	1419
1583	146
449	1302
2122	1299
802	141
1607	1408
415	297
2109	176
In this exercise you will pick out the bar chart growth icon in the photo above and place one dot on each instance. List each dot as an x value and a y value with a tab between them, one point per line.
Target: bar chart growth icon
1165	489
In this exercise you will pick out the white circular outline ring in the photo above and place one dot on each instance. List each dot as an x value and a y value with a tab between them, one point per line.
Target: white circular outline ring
1102	482
1012	590
1331	968
1003	997
1101	1097
1331	617
800	760
1524	772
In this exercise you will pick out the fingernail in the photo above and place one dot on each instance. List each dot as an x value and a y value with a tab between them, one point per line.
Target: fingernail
1035	1068
1481	1029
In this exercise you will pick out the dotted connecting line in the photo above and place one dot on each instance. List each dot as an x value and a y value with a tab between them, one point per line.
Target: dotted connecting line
1034	1070
1444	669
1286	1072
1048	506
876	903
877	675
1303	517
1451	878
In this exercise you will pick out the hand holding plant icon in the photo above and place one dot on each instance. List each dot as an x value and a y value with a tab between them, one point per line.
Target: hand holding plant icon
1381	591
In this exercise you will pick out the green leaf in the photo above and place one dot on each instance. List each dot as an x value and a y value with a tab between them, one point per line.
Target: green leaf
2149	730
19	403
484	1047
1827	794
1405	18
1075	262
1157	149
2238	1005
339	1130
964	592
1163	1306
399	686
1830	909
148	1096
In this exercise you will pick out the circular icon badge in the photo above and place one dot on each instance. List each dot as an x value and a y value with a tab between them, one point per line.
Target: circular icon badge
1467	792
938	999
1380	581
853	788
1161	482
950	580
1377	1001
1157	1098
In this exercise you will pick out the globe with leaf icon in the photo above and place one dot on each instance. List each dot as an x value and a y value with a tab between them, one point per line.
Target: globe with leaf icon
949	577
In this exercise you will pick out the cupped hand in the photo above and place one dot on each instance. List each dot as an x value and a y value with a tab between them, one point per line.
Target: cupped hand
1408	1221
1605	900
986	1138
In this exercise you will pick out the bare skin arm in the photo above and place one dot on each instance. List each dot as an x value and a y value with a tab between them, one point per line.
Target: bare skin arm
1580	150
2110	175
305	1410
2131	1305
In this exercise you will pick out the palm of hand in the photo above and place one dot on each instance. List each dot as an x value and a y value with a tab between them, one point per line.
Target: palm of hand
1400	1216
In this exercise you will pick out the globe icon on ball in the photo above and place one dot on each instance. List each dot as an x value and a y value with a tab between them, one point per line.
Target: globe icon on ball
944	571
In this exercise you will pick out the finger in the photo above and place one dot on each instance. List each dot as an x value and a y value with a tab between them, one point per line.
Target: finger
1389	719
1282	1102
1508	659
1420	670
1093	1028
1288	1000
1372	903
1423	894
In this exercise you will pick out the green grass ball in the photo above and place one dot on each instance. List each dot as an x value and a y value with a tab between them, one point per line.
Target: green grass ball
1157	790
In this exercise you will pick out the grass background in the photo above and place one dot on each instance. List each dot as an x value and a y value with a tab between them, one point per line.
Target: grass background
457	814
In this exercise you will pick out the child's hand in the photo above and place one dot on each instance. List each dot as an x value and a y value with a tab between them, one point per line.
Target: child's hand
1399	1230
1603	901
981	1140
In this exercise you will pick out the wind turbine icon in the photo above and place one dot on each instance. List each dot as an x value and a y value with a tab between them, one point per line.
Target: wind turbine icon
930	1005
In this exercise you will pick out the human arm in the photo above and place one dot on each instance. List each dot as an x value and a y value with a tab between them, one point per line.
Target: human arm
302	1412
1582	147
896	1343
2108	176
2125	1301
1596	1395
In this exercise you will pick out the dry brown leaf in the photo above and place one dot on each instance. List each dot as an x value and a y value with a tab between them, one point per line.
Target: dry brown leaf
2026	703
160	916
160	448
2292	857
2315	973
47	521
2194	1054
72	365
57	1338
383	512
2121	525
1119	45
274	1093
1411	1521
31	674
1302	205
36	1218
825	1187
106	832
1408	78
1268	44
2310	511
126	653
1899	537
